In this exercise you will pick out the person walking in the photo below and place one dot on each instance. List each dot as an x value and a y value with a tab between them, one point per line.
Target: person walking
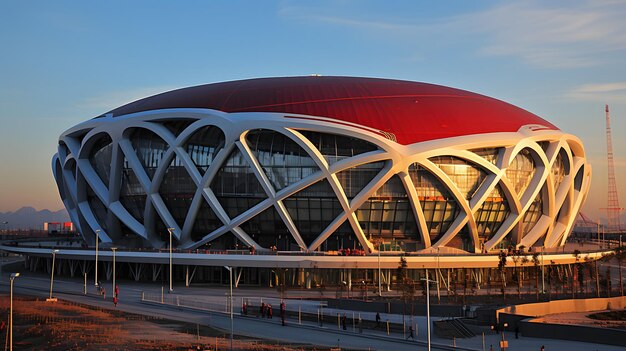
343	322
377	320
283	312
270	314
410	333
262	310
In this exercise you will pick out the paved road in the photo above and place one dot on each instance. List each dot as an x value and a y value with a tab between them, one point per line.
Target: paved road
36	284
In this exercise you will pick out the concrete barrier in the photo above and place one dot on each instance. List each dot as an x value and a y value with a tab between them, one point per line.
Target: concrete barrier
520	316
416	309
565	306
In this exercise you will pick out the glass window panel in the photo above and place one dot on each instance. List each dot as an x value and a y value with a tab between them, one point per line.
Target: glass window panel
206	221
267	229
177	190
489	154
282	159
336	147
491	214
438	205
387	218
559	169
235	185
521	171
313	209
203	145
149	147
98	209
132	194
353	180
465	176
100	158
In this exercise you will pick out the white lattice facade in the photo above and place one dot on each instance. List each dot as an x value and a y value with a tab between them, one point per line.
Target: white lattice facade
296	182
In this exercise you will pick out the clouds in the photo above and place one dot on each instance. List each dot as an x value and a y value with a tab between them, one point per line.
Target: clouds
553	37
600	92
573	35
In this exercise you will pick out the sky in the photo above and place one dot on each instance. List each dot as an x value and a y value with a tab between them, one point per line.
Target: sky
63	62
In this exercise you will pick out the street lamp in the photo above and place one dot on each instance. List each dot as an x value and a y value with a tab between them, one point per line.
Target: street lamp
13	276
54	255
113	288
170	230
230	274
95	279
428	281
437	274
504	344
380	292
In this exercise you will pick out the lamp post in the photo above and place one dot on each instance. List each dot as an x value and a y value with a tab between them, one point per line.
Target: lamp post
170	230
13	276
113	287
54	255
428	281
437	274
364	290
543	275
95	279
230	274
504	344
380	291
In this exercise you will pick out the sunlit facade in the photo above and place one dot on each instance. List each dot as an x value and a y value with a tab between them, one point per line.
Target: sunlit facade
307	179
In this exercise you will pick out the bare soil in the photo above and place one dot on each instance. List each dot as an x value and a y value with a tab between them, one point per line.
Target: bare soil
61	326
604	319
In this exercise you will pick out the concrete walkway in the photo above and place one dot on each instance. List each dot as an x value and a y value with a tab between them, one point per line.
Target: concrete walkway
213	302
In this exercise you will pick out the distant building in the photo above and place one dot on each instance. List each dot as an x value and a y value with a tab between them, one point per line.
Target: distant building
322	164
58	227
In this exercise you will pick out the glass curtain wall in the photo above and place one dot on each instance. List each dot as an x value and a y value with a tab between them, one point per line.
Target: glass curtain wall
338	147
387	218
283	161
150	149
438	205
100	158
235	185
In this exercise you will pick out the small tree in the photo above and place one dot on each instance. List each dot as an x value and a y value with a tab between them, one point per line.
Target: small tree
536	264
501	268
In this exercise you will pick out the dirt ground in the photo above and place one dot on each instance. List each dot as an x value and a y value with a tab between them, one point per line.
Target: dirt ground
582	318
41	325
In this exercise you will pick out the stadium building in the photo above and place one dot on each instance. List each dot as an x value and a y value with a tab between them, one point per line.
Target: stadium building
322	164
320	180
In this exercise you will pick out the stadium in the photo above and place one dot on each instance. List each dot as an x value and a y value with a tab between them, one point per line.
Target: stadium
309	173
322	163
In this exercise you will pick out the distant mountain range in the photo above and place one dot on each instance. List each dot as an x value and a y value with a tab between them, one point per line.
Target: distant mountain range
29	218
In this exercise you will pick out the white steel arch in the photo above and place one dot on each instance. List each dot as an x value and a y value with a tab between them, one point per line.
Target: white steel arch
560	204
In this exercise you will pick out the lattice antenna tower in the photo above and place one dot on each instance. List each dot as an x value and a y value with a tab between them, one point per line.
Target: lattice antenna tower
613	210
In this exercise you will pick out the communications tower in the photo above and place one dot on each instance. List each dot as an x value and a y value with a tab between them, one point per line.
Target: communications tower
613	210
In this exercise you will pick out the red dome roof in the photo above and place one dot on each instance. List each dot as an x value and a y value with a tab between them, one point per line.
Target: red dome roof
412	111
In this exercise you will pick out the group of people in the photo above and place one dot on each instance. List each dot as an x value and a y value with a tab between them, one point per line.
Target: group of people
349	252
266	310
103	292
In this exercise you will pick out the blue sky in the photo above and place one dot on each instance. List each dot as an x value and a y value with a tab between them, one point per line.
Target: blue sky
64	62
